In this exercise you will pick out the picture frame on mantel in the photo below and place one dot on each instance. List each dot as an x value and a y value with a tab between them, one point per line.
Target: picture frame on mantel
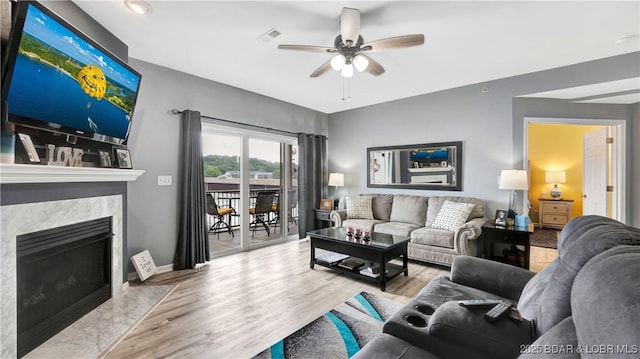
123	158
105	159
32	154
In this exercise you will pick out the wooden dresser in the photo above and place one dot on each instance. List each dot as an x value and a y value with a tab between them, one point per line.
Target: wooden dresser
555	213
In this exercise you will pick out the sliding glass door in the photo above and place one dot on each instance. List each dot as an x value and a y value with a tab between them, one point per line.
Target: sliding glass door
251	184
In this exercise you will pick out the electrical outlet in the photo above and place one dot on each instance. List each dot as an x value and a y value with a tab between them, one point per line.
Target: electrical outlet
165	181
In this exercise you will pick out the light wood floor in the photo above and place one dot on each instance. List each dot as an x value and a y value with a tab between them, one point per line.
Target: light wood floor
238	305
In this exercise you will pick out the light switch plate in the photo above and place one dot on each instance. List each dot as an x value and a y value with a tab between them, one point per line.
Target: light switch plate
165	181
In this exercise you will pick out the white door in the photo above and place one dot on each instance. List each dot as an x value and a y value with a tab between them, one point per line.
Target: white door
594	177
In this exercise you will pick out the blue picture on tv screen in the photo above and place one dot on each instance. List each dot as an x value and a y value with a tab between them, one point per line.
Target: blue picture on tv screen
63	80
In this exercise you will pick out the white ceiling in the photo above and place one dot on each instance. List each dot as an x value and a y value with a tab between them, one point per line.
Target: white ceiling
466	42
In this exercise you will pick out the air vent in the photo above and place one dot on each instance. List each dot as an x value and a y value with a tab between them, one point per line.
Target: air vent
270	35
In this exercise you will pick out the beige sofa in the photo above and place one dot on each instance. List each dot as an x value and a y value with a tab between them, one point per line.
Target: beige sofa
414	216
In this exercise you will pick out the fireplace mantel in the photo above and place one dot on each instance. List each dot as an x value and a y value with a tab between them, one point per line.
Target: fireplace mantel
21	173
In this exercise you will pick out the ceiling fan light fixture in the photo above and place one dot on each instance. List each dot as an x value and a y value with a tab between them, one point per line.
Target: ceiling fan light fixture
347	71
337	63
360	62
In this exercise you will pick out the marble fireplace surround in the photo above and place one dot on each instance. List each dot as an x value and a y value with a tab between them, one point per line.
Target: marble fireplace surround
25	218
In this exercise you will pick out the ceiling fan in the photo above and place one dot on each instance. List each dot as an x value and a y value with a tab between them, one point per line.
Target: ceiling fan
350	48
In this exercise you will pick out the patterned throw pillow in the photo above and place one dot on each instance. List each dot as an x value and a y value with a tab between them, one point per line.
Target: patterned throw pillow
359	207
452	215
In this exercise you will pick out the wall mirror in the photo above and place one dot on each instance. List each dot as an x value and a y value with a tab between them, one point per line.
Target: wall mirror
431	166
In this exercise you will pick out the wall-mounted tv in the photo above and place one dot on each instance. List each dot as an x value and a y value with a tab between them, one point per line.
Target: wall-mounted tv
57	79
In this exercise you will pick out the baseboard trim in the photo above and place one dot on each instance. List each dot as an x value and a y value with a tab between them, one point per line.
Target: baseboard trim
131	276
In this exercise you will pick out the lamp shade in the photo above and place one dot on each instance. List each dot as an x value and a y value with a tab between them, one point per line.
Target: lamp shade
555	177
336	179
513	180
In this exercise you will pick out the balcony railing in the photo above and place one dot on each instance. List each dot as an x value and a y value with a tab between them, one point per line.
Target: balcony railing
232	199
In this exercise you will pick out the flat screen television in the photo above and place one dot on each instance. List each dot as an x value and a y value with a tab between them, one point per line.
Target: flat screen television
57	79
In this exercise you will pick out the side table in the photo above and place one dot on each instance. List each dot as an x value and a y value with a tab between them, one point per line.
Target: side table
555	213
323	219
515	236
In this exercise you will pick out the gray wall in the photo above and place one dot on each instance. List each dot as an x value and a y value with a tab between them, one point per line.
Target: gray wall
154	141
489	124
635	166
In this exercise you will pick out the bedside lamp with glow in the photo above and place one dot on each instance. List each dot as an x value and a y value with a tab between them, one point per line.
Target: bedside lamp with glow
515	180
336	179
555	177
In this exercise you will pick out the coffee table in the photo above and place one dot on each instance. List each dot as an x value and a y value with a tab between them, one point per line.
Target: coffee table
380	249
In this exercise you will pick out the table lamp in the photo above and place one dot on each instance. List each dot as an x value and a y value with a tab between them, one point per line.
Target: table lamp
555	177
337	180
513	180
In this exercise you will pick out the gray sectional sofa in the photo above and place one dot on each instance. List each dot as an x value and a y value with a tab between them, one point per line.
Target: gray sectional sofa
414	216
586	303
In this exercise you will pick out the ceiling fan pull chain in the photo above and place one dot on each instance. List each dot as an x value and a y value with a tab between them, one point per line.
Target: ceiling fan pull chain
346	90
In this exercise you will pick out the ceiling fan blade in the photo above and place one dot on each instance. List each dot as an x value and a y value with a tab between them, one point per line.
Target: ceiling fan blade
321	70
307	48
394	43
350	25
374	67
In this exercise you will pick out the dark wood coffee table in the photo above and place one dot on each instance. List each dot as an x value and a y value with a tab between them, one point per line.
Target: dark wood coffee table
380	249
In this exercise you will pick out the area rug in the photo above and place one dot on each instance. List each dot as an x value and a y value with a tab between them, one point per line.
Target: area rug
339	333
545	237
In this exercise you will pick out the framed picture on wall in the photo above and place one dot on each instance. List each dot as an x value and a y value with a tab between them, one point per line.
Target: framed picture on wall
326	204
123	157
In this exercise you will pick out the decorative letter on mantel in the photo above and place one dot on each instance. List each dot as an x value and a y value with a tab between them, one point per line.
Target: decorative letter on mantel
64	156
430	166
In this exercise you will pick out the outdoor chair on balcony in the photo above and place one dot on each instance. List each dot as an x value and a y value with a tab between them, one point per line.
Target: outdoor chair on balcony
275	209
261	211
219	214
293	203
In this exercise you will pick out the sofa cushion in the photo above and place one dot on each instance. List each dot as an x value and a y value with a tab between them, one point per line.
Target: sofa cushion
605	301
433	237
452	215
529	301
441	290
435	203
397	228
409	209
562	336
364	224
359	207
467	327
381	206
555	300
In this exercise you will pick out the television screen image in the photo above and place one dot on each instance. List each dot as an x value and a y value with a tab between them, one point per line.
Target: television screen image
63	81
430	155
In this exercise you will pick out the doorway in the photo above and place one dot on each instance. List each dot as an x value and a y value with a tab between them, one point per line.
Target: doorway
244	170
548	145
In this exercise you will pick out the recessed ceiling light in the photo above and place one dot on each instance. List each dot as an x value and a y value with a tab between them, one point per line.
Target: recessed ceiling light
138	6
625	39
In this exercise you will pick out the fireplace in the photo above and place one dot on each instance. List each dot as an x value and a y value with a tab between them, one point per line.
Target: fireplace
63	273
25	218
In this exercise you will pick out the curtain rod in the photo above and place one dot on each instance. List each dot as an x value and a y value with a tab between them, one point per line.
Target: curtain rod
177	112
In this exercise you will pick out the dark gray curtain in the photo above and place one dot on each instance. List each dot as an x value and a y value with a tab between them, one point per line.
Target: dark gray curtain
313	174
193	244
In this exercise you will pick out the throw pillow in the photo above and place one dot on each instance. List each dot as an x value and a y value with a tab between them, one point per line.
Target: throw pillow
452	215
359	207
